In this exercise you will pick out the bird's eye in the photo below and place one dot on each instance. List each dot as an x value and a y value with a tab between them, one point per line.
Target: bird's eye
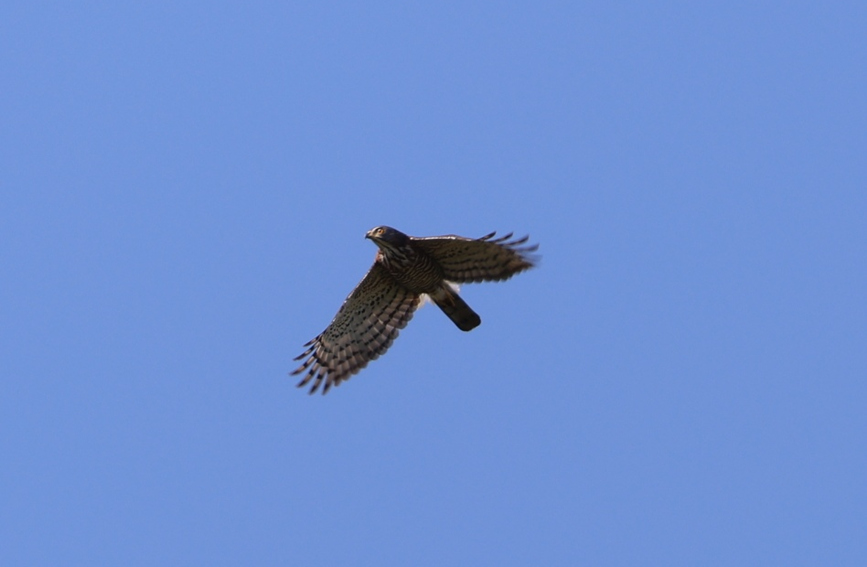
379	231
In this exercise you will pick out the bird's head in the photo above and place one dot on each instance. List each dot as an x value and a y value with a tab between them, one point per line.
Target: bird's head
387	238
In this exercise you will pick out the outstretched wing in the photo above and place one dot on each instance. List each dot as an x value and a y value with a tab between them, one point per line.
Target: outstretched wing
465	260
366	325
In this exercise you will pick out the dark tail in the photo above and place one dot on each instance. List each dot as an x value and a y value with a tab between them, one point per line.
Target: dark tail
456	308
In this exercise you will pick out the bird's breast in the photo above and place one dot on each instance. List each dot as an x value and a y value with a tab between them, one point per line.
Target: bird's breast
416	272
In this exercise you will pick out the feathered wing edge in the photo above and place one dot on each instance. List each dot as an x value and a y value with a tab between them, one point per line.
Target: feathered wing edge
519	246
363	329
467	260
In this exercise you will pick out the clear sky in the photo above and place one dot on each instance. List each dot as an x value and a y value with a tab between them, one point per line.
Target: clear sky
184	192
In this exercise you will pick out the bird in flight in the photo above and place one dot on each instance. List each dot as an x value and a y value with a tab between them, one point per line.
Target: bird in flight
405	269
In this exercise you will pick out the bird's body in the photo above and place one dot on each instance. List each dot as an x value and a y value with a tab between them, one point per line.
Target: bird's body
412	268
383	303
416	270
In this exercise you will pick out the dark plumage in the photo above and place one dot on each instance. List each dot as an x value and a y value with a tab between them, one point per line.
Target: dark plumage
406	268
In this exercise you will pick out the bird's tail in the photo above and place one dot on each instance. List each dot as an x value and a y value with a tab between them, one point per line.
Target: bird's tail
456	308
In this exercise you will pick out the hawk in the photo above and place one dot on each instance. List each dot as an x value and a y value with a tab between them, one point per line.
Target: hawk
405	269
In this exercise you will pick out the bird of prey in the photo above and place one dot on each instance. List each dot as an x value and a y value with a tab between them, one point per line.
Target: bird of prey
405	269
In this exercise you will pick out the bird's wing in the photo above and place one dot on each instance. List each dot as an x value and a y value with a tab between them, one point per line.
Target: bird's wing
465	260
364	327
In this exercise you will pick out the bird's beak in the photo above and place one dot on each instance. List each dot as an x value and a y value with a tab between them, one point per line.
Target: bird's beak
369	235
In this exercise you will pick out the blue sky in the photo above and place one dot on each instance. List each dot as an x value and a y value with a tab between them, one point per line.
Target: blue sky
185	192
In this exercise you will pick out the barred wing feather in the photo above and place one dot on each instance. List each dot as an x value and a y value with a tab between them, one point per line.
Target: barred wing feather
364	328
466	260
